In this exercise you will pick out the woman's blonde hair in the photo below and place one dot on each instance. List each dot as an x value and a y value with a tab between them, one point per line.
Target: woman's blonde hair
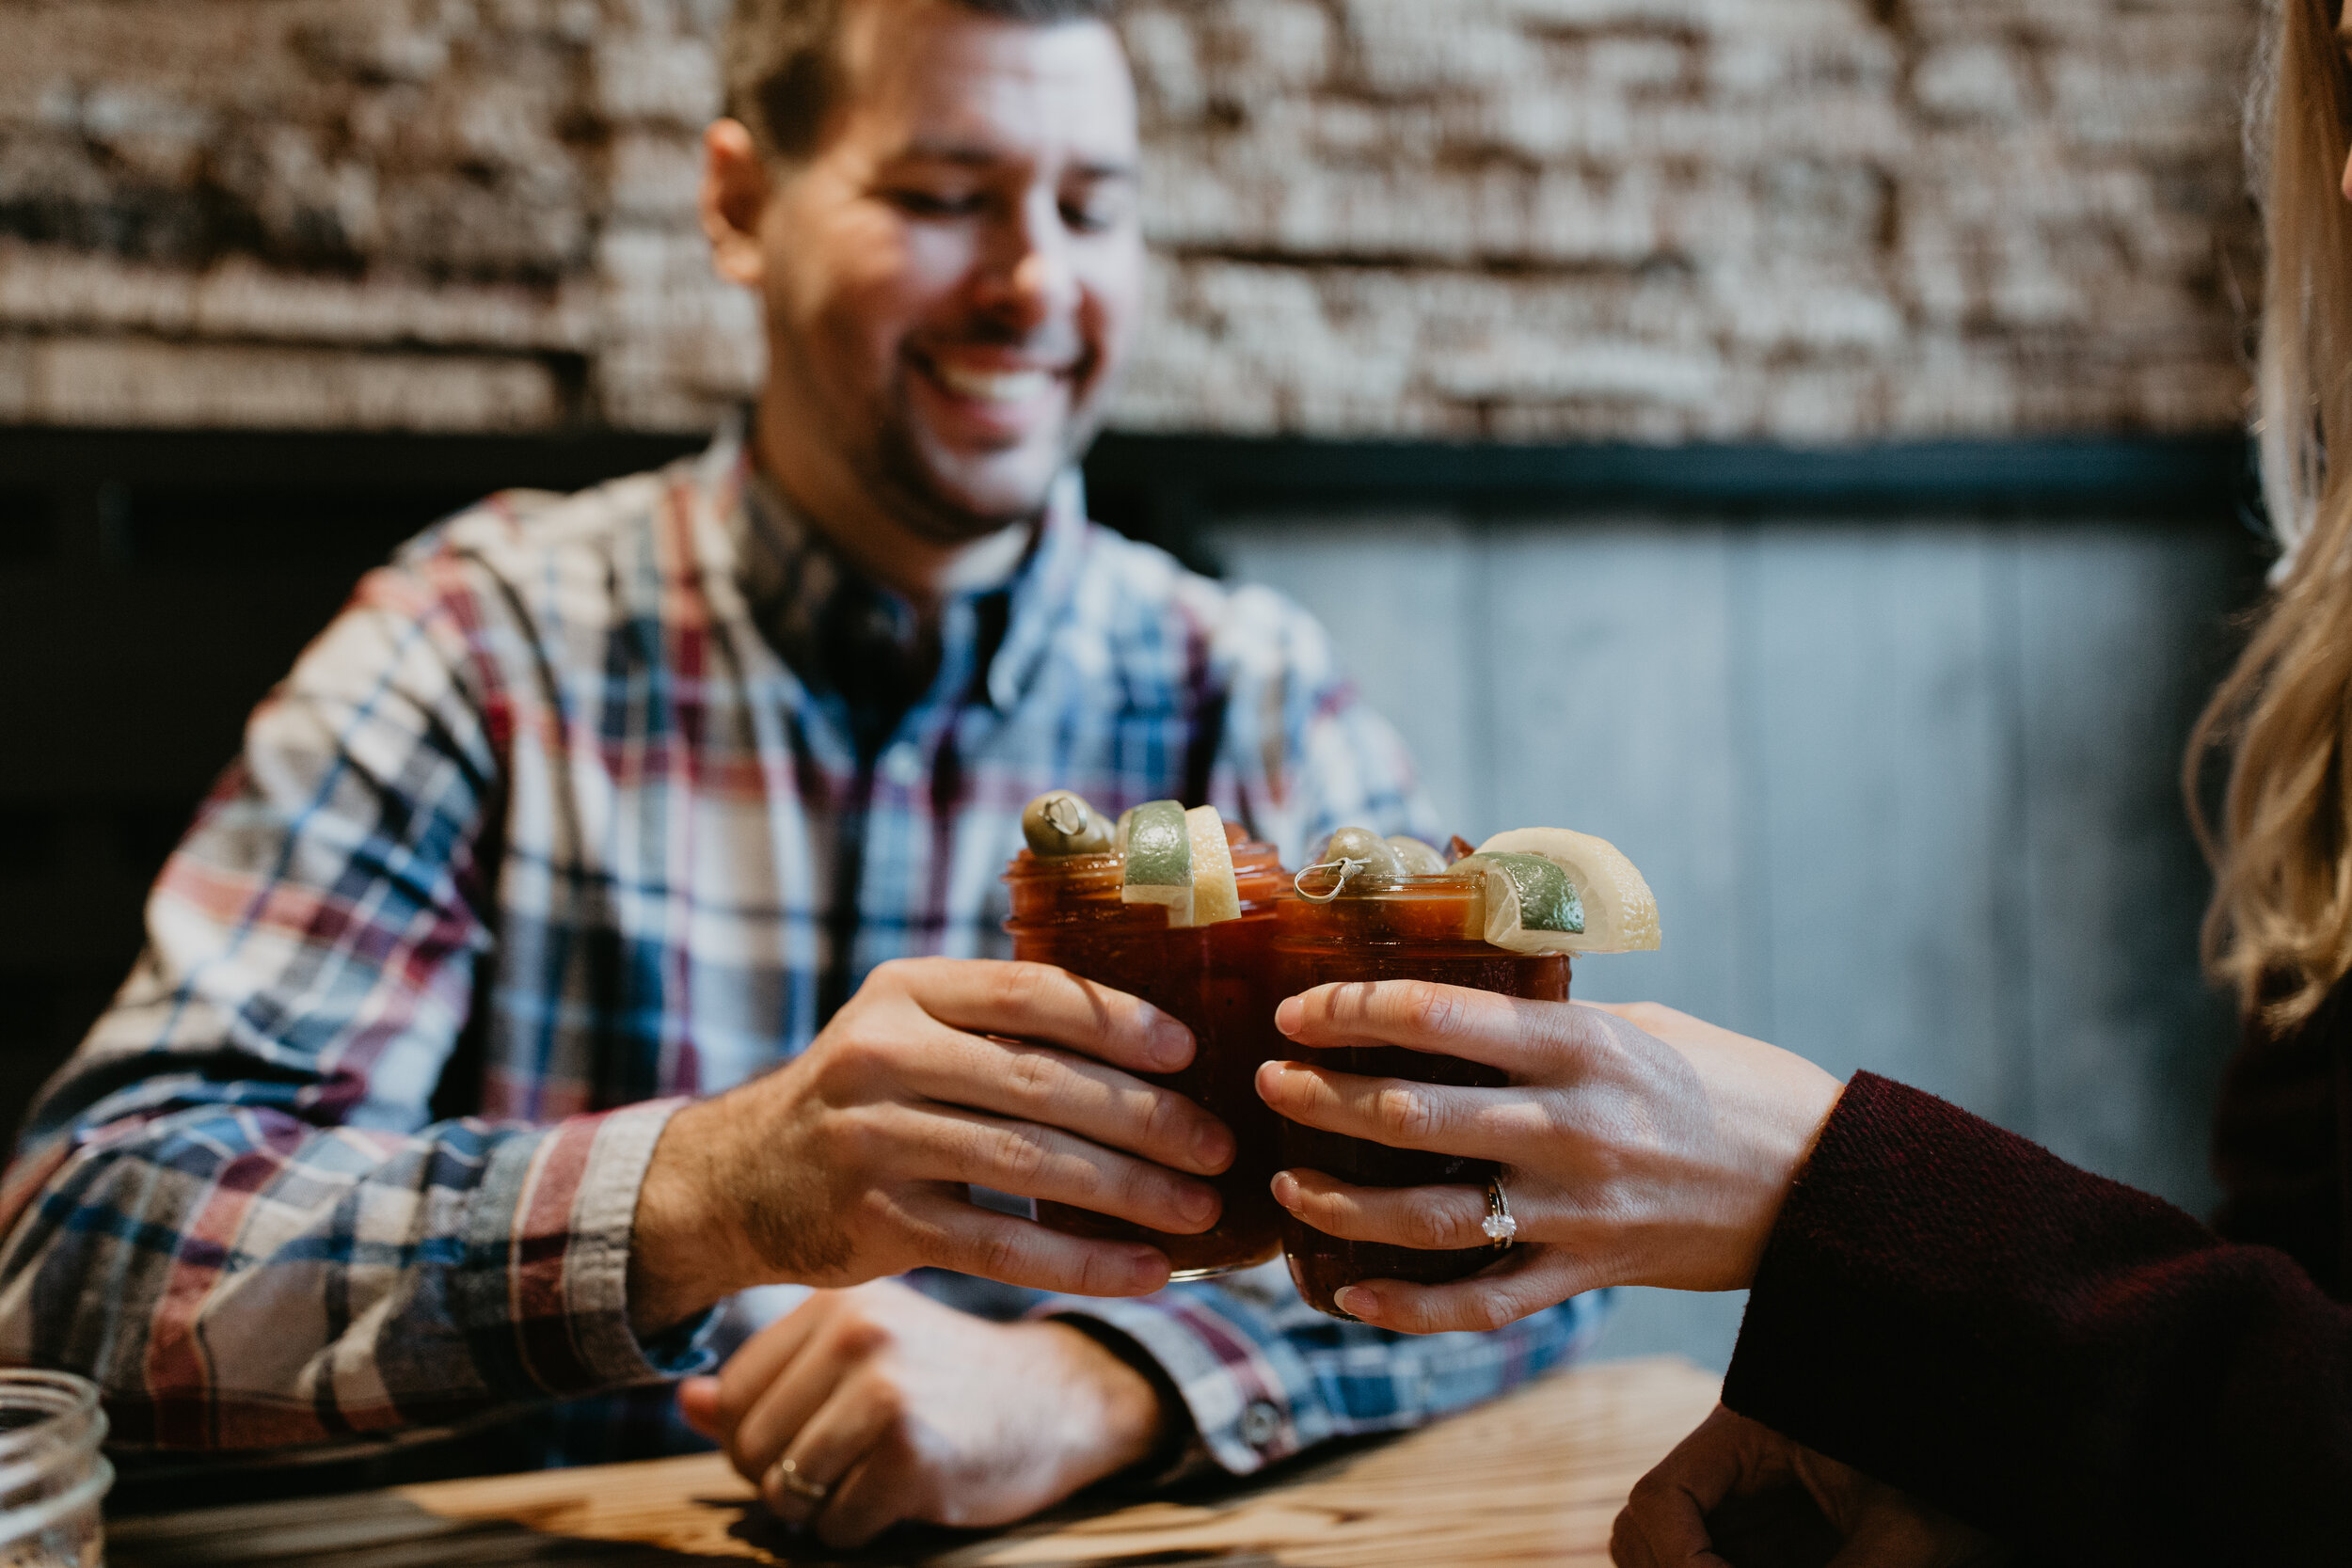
2280	927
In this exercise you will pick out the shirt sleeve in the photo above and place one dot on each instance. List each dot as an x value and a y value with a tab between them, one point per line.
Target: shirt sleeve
1264	1376
2078	1367
233	1208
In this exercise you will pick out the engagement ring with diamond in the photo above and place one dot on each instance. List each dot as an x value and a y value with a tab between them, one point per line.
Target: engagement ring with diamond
1501	1229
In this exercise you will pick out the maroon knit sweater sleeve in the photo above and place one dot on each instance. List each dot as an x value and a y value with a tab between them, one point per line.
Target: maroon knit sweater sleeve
2076	1366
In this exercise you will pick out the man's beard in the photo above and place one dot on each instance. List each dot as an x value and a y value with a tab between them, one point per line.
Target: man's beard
895	466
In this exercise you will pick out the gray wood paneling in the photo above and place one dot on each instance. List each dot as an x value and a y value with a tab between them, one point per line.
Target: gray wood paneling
1614	713
1366	578
1905	790
1880	709
2127	1038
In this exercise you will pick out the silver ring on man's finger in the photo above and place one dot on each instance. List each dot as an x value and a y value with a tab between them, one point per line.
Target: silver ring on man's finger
785	1474
1501	1229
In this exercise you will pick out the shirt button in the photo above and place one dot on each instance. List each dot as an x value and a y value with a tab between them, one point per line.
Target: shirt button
1260	1424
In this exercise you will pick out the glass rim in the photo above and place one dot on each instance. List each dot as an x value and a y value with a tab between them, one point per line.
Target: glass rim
56	1396
1435	882
1028	862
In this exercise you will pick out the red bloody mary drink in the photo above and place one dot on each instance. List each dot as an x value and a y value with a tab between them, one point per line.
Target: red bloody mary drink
1215	979
1413	927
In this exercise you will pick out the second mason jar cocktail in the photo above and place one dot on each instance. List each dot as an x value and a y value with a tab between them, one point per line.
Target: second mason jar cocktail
1411	927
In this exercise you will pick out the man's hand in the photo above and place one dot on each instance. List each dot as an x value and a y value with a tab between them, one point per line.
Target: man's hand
1644	1146
850	1162
1731	1461
899	1408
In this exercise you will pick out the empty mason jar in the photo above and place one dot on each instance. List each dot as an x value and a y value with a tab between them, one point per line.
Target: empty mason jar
52	1476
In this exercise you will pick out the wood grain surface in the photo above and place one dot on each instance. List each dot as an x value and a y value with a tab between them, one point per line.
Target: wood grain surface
1534	1479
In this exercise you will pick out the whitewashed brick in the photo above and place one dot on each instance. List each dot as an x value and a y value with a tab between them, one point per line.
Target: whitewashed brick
1524	219
133	381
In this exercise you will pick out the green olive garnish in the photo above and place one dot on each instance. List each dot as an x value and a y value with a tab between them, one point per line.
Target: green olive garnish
1370	861
1059	824
1421	859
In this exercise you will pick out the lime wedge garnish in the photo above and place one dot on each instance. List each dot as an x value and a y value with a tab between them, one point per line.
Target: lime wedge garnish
1158	849
1539	894
1179	859
1618	912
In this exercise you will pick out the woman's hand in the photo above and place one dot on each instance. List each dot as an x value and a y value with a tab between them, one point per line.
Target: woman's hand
892	1406
1726	1485
1643	1145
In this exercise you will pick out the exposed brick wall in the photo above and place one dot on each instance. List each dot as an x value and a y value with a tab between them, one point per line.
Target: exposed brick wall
1806	219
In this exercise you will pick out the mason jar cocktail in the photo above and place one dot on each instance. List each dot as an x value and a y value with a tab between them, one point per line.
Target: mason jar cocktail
1217	981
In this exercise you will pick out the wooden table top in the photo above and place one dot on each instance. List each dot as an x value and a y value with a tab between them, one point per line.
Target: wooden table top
1535	1477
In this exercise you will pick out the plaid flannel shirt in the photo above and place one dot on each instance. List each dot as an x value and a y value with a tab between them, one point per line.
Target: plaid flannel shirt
543	834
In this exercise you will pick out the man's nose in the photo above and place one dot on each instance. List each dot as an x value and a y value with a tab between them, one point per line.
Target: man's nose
1031	276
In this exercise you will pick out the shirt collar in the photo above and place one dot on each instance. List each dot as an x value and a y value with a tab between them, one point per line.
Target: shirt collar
856	644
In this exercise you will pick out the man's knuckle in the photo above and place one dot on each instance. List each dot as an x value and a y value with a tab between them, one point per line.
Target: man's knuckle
1000	1254
1020	987
1100	1274
1167	1119
1020	1152
864	1055
889	1400
1133	1184
857	1336
1034	1075
854	1140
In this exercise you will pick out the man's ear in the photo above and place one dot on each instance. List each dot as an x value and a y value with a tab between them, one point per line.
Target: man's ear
735	194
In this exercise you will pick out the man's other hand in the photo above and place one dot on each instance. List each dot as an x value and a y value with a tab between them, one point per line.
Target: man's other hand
897	1408
1722	1496
851	1161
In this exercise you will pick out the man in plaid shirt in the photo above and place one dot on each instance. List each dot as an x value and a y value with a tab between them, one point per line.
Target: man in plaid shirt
595	931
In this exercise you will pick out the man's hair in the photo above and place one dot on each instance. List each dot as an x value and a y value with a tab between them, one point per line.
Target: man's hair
782	60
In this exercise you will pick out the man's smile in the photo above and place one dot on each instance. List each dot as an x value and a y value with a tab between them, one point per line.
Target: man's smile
998	393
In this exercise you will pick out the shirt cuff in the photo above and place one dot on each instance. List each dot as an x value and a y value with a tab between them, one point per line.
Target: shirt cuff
548	1245
1235	1384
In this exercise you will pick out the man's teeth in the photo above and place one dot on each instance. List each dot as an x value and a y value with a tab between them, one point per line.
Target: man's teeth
994	386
